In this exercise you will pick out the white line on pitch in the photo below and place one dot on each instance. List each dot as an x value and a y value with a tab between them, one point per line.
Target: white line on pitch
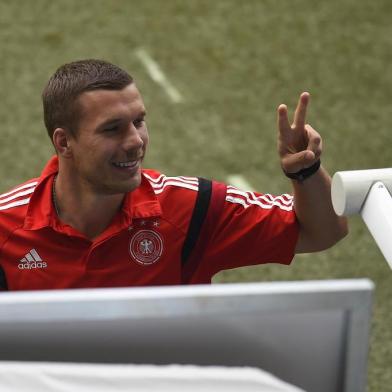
158	76
239	182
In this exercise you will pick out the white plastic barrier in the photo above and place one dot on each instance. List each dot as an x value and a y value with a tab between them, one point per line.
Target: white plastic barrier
368	193
312	334
71	377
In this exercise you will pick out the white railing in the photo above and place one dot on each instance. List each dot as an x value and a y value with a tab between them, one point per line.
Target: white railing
368	193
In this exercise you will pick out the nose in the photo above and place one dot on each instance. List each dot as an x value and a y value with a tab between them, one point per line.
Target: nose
133	139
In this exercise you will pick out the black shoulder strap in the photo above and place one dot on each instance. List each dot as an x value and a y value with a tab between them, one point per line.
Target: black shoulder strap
197	220
3	280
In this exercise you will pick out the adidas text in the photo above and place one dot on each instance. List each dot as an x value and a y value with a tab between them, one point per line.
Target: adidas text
32	265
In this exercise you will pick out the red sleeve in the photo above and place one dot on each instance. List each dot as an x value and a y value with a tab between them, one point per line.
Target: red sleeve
251	228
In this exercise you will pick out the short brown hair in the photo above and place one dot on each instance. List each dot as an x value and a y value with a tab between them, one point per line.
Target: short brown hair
69	81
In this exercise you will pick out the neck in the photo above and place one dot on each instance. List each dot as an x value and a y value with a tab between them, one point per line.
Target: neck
78	206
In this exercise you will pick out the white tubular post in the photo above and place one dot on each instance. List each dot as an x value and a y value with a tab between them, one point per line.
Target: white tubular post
350	188
377	214
368	193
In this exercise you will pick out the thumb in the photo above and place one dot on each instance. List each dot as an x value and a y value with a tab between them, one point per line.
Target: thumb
293	163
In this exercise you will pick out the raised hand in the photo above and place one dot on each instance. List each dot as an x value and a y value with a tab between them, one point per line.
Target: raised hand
299	145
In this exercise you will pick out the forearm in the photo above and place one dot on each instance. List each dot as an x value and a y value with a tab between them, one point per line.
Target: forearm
320	227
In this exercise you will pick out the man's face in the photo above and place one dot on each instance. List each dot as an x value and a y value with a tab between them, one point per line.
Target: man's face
110	141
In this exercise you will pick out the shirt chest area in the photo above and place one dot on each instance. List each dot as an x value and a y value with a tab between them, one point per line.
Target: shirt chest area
145	253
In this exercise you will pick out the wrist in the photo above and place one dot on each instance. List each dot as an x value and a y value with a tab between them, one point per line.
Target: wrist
303	174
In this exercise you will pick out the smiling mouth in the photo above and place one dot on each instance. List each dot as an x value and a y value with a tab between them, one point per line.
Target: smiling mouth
128	164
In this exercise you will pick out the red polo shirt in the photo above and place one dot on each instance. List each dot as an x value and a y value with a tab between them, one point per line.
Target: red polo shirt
143	243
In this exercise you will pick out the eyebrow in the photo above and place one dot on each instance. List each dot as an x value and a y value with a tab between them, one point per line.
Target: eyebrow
109	122
114	121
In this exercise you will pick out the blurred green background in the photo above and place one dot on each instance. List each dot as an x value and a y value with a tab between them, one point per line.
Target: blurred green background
233	63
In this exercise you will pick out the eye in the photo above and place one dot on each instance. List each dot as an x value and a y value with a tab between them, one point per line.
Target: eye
113	128
138	123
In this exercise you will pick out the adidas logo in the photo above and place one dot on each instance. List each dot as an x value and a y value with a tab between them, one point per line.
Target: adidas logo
31	260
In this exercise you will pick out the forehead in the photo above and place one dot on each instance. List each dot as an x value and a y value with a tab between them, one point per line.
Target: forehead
99	105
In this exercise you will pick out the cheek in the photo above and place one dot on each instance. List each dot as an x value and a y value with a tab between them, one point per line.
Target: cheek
93	152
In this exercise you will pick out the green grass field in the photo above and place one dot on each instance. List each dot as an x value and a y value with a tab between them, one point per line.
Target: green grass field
233	63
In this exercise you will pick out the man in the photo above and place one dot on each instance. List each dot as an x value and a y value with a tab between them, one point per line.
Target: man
94	218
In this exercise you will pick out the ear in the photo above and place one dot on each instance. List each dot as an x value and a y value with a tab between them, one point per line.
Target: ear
61	141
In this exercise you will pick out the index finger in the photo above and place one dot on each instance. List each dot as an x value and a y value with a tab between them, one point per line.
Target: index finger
283	120
300	111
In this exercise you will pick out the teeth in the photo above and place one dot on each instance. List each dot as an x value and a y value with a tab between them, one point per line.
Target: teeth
125	164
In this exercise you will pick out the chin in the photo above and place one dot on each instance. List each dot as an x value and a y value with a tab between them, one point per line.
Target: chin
133	183
134	186
115	188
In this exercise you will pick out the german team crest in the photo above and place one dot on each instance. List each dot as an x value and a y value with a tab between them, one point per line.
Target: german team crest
146	247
